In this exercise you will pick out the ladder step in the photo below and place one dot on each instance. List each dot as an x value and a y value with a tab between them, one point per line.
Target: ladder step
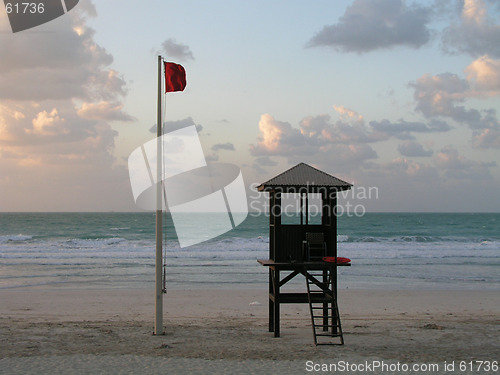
329	334
327	325
310	282
321	307
320	293
316	277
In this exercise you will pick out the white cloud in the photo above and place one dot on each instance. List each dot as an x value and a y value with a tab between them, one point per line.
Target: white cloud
104	111
483	74
174	50
275	136
476	32
57	96
347	114
47	123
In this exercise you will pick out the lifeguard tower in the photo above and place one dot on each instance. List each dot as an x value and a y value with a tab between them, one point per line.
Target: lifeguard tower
305	243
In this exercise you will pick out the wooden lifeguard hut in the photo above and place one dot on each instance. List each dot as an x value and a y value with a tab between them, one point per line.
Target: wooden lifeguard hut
305	243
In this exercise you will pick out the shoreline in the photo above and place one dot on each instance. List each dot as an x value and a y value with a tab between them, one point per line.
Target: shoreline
223	329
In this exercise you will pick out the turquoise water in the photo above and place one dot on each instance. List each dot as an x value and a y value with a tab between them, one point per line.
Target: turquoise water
116	250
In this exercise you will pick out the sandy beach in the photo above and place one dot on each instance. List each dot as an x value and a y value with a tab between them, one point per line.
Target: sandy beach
226	331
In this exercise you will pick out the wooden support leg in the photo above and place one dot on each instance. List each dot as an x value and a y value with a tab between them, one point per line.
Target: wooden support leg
325	304
335	317
276	303
271	303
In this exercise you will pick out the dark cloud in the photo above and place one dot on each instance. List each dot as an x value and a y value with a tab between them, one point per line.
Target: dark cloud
212	158
403	129
259	169
170	126
413	149
486	138
174	50
223	146
369	25
266	161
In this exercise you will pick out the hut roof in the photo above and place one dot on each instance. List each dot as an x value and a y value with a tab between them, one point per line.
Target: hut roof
303	175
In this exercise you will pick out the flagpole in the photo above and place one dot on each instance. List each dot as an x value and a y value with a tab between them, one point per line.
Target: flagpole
158	328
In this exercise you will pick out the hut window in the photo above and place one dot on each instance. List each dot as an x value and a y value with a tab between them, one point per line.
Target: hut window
290	209
315	209
301	209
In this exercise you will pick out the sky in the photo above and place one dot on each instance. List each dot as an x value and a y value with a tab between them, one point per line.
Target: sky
399	98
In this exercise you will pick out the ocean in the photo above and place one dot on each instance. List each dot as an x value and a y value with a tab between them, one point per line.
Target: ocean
396	251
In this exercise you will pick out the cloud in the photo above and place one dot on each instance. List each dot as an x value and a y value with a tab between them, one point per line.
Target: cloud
446	167
105	111
47	123
475	33
174	50
486	138
347	114
346	141
318	141
437	95
275	136
398	176
62	64
212	157
413	149
411	170
223	146
266	161
57	97
444	96
483	74
458	167
349	129
369	25
403	129
170	126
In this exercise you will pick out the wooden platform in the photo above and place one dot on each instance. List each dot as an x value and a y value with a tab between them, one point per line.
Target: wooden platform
297	268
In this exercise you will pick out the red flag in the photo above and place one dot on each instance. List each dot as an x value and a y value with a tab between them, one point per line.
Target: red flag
175	77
